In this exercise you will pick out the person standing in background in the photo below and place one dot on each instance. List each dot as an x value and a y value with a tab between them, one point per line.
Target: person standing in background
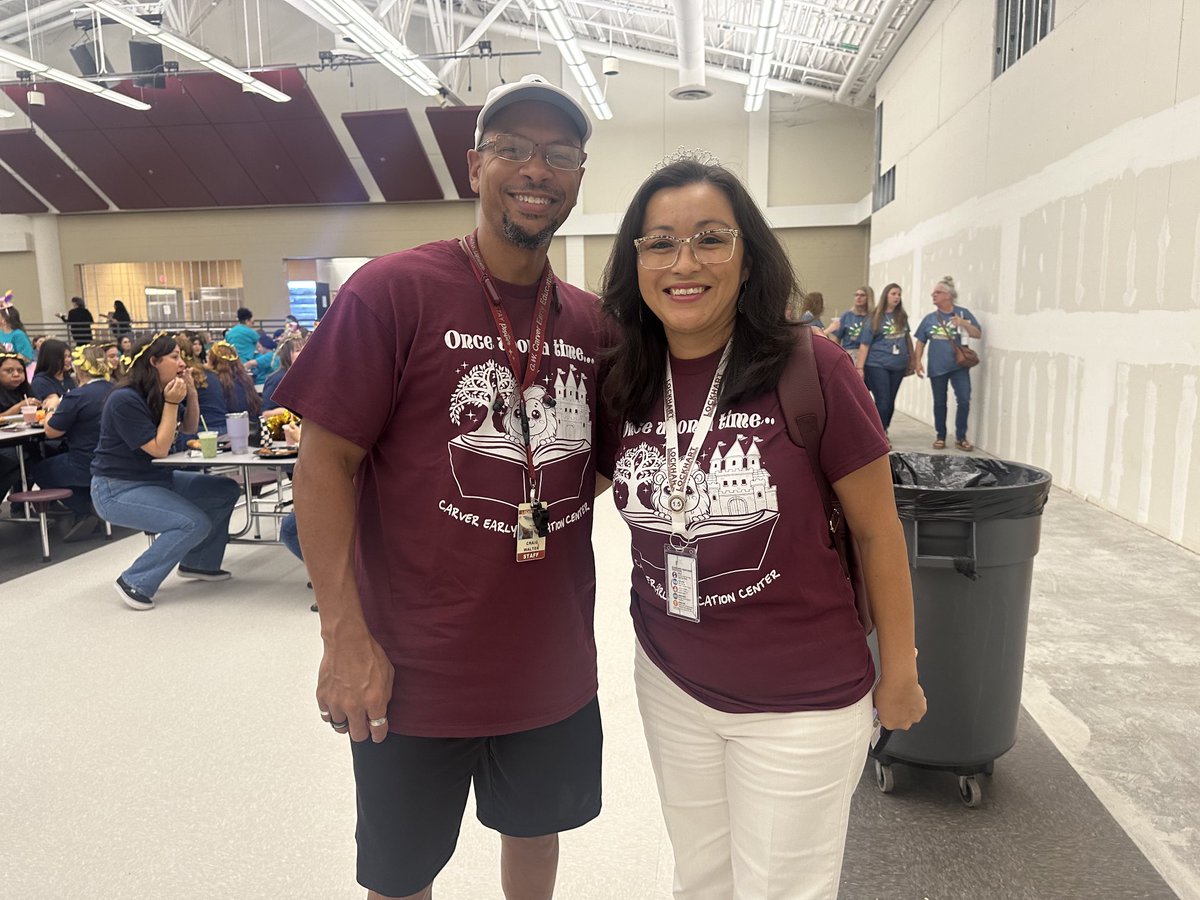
884	351
244	336
79	321
812	307
847	327
119	321
942	329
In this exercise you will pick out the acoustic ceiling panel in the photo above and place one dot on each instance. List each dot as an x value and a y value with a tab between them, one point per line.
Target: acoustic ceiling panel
204	143
108	169
31	158
454	128
392	151
157	163
209	157
320	158
14	198
267	162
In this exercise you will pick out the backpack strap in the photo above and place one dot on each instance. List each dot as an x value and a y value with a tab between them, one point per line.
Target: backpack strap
803	404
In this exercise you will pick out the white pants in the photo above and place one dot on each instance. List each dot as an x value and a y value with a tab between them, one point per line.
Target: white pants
756	804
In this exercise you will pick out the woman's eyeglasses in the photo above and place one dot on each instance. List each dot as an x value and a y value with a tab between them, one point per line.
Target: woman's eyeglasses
515	148
660	251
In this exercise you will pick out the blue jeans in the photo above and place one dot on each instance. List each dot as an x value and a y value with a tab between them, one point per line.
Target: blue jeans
61	471
289	536
190	517
960	378
884	385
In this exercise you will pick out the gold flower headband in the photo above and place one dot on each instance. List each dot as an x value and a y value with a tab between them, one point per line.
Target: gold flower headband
93	368
130	360
223	350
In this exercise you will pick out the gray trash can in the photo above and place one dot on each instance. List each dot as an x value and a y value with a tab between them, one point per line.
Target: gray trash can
972	526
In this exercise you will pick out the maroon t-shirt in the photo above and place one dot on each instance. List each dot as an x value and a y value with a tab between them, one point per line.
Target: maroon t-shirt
407	365
778	630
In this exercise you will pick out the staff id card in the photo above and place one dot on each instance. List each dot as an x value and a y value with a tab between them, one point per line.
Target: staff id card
531	543
683	585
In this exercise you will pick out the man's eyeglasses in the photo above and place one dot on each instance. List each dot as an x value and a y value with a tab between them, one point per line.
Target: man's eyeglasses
515	148
660	251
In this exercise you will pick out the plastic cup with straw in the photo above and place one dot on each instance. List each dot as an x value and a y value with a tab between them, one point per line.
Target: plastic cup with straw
208	440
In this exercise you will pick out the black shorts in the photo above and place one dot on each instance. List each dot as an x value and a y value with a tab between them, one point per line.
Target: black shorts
412	792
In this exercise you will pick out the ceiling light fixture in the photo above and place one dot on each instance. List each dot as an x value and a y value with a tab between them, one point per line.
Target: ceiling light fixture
371	35
53	74
186	48
564	35
770	15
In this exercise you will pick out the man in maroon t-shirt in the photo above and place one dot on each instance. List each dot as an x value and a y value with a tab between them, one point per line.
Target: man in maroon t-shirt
444	501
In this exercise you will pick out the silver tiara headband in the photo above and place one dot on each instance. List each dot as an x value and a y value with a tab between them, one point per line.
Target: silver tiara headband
685	154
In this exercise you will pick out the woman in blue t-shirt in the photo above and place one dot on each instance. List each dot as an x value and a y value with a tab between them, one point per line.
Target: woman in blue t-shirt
188	511
12	334
847	327
76	419
942	329
235	382
884	351
52	377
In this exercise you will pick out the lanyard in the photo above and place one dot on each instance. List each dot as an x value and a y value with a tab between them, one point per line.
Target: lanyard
537	337
677	474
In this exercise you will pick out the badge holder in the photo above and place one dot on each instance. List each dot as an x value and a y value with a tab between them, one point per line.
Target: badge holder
683	583
532	527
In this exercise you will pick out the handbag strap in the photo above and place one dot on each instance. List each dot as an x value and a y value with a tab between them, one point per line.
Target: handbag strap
803	406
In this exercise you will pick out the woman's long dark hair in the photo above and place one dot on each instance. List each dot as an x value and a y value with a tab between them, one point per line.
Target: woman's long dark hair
120	313
899	317
762	336
230	372
52	358
143	377
13	318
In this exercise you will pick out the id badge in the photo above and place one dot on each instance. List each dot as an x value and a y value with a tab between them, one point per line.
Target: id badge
683	585
895	349
530	545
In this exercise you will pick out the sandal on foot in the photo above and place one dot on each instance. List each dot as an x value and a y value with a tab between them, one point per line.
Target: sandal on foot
939	444
964	445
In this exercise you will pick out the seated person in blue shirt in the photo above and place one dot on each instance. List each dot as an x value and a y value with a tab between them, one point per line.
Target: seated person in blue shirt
76	418
243	335
237	387
208	390
264	362
14	394
188	511
289	349
53	376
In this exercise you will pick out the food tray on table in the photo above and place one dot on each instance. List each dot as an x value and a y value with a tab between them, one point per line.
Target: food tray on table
277	452
21	426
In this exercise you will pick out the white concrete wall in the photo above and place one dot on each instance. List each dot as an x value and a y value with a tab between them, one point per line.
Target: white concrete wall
1064	197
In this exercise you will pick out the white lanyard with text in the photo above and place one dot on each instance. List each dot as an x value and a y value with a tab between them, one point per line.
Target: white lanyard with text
533	519
680	556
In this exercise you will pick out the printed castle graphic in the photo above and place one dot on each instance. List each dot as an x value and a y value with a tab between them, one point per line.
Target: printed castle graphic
729	493
737	482
489	461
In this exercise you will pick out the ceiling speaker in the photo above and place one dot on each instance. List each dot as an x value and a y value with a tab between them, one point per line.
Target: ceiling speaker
147	57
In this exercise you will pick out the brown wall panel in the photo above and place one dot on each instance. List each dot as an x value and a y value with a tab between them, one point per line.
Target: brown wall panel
392	151
14	198
211	160
454	128
267	162
110	171
31	158
149	154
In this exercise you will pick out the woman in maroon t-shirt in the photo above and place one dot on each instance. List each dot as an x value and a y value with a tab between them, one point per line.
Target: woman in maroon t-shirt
754	678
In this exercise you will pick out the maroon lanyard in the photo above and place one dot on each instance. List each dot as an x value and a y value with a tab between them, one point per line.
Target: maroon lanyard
537	337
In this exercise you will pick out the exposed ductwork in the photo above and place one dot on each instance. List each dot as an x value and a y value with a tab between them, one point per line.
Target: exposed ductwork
882	21
689	42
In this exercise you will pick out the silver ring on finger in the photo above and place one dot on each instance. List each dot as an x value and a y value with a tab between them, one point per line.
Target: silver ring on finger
376	723
339	725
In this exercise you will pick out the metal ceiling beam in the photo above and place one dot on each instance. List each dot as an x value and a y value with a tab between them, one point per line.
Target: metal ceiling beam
473	38
919	8
867	48
596	48
15	26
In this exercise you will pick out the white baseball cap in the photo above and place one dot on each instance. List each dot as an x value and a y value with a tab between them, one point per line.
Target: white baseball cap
532	87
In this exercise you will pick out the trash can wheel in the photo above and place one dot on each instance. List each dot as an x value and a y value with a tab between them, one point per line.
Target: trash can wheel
884	777
970	791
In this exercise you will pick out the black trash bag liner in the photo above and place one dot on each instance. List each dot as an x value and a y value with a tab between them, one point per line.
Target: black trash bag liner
966	488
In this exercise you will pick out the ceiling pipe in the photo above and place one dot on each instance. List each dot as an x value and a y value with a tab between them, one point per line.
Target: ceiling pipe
689	43
643	57
910	23
868	47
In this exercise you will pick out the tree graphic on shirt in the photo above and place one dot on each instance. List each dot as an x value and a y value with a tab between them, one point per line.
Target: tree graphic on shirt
481	386
634	472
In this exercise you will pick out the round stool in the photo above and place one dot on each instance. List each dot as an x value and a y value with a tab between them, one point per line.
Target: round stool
39	500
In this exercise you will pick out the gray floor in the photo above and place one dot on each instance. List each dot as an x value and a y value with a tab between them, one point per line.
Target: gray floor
177	753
